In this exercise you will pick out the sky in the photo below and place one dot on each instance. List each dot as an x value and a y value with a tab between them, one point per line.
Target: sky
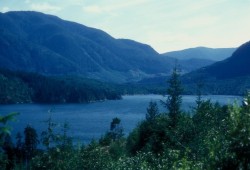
166	25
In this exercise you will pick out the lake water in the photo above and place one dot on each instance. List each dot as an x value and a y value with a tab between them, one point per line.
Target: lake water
91	121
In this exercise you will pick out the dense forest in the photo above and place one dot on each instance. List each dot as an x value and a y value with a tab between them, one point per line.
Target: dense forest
214	137
22	87
25	87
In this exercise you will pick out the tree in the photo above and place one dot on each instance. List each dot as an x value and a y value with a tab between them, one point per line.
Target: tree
48	136
116	130
8	147
65	142
4	129
4	138
239	135
152	111
19	149
30	142
174	98
199	95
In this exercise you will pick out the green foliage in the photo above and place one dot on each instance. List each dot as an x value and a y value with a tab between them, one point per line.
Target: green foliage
48	136
57	158
6	149
96	157
30	142
174	100
4	129
21	87
149	136
13	90
238	136
59	153
116	129
152	111
216	137
115	133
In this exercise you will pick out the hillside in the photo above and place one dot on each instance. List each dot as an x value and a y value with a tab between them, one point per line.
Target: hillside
35	42
45	44
230	76
193	64
213	54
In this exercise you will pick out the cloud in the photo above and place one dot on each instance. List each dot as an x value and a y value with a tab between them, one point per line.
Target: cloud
112	6
45	7
5	9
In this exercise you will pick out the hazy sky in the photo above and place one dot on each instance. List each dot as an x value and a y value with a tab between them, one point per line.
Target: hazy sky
166	25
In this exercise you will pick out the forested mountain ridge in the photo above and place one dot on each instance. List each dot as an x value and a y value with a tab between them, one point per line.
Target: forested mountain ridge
45	44
36	42
230	76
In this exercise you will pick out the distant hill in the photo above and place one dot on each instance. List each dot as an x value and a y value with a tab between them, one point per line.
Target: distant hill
230	76
46	44
193	64
213	54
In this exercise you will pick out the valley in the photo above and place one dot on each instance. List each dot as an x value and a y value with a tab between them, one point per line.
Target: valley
58	51
76	97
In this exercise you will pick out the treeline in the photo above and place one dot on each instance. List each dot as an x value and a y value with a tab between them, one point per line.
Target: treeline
215	137
21	87
212	85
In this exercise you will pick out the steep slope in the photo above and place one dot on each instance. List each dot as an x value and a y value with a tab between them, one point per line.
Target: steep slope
228	76
193	64
214	54
235	66
35	42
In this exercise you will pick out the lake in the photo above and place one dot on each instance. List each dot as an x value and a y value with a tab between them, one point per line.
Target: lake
91	121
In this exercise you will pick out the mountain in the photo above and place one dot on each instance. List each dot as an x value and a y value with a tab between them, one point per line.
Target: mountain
230	76
193	64
36	42
194	58
213	54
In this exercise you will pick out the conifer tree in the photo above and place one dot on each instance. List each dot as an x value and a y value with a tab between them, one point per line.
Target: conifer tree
30	141
116	129
152	111
174	99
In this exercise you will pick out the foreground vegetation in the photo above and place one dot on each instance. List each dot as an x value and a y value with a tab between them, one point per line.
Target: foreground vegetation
214	137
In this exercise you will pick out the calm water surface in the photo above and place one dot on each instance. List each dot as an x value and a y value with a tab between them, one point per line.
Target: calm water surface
90	121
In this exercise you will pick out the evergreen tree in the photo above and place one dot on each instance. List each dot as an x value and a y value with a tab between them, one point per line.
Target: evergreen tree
152	111
199	96
116	130
174	100
8	147
30	142
19	149
65	141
